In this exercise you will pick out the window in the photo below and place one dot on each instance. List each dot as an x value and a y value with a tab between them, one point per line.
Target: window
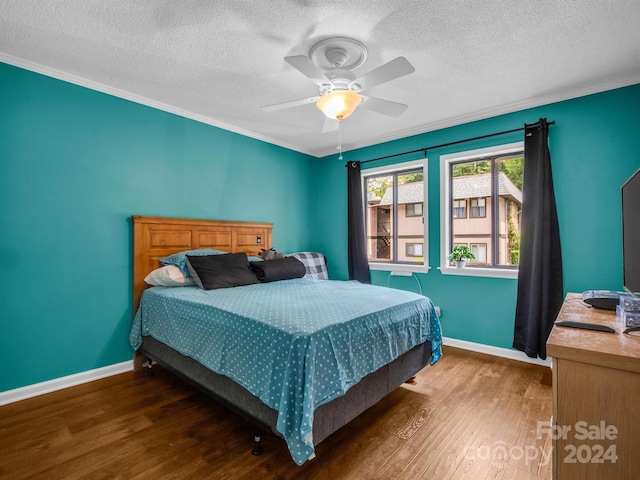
490	180
414	250
395	211
460	208
479	251
477	207
413	210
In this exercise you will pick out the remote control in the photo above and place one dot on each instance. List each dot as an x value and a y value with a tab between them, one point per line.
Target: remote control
587	326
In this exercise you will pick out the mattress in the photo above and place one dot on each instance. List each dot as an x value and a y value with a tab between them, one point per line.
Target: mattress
294	344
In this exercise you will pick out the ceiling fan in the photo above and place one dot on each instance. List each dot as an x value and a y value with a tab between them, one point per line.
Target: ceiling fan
329	65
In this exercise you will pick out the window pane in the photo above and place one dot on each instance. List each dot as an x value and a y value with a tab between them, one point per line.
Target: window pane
478	206
480	252
379	218
459	209
410	216
471	182
394	215
414	209
414	249
509	213
484	203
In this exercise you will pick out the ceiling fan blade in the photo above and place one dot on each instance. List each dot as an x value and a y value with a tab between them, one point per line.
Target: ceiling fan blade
330	125
295	103
386	107
308	68
389	71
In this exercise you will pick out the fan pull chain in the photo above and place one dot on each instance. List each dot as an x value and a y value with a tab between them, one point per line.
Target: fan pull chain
340	138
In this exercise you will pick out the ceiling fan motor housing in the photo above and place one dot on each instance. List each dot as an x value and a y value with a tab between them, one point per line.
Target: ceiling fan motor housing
340	80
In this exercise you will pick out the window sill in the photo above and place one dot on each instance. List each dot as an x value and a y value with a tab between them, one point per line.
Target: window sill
480	272
400	267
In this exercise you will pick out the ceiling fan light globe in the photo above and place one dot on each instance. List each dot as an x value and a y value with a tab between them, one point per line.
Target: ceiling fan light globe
339	104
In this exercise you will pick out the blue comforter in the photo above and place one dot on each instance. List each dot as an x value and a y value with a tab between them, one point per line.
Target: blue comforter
295	344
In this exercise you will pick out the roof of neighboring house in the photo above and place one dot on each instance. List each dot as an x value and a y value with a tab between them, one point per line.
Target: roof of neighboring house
407	193
469	186
476	186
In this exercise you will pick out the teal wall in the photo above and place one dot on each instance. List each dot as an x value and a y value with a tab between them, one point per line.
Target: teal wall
75	164
595	147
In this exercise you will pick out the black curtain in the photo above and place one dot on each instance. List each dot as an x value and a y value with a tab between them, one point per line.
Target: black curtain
358	262
540	288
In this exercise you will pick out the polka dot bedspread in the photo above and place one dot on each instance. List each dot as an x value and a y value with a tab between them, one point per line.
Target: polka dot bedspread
295	344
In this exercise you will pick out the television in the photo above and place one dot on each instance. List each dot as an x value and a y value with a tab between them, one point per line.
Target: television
631	233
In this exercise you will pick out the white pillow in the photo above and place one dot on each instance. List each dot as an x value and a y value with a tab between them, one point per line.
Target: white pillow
168	276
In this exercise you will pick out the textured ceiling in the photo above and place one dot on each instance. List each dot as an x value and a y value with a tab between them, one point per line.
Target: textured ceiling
219	61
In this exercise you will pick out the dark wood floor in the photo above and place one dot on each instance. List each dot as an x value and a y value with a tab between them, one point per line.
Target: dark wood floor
471	416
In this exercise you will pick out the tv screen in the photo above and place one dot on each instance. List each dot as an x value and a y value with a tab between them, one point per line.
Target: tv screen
631	233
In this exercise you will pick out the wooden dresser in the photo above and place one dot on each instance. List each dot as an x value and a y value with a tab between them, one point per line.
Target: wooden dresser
596	397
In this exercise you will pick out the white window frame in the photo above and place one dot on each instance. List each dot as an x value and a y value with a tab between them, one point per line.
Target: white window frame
396	168
445	211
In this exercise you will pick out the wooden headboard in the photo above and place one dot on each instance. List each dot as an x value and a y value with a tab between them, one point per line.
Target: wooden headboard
157	237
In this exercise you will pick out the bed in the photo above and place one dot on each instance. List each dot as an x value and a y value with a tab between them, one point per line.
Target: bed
300	357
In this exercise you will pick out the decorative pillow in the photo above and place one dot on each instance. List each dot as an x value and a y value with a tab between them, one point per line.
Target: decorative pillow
168	276
221	271
278	269
180	260
315	264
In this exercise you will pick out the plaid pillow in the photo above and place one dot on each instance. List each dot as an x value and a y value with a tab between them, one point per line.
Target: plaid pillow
314	263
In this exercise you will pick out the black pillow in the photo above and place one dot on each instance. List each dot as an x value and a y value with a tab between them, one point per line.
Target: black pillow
278	269
220	271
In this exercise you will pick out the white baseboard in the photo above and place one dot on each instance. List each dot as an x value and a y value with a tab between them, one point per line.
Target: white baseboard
496	351
36	389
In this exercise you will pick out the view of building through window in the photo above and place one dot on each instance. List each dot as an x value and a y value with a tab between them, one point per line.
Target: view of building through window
395	217
486	206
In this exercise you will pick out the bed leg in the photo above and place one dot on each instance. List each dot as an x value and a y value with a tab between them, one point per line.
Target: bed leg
257	448
138	361
150	371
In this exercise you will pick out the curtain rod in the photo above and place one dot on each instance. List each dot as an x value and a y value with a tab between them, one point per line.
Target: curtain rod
424	149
